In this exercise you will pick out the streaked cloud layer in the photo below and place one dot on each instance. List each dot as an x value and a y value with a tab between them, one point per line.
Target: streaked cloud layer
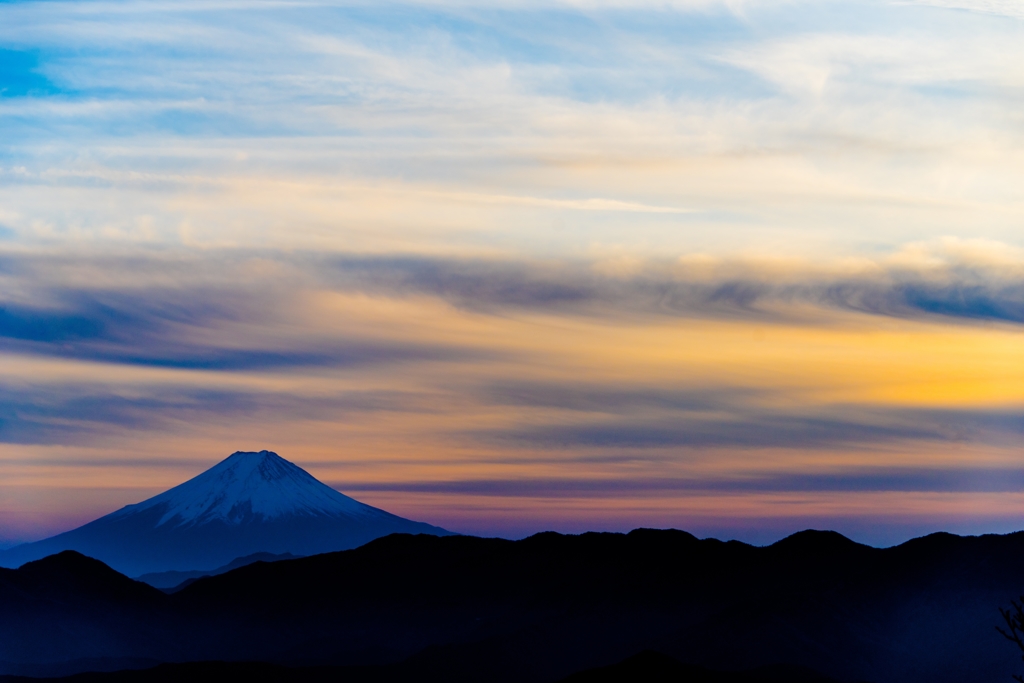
737	267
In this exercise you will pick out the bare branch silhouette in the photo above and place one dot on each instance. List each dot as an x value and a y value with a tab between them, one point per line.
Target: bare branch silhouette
1014	619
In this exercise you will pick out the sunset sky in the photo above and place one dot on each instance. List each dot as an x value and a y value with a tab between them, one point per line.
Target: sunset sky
739	267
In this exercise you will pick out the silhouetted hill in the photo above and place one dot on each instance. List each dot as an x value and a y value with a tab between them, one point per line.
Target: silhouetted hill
176	580
68	606
72	576
654	667
461	608
251	672
646	667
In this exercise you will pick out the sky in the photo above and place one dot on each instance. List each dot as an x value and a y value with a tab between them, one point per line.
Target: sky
739	267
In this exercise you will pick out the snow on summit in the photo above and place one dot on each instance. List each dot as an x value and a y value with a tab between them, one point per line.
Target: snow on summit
250	485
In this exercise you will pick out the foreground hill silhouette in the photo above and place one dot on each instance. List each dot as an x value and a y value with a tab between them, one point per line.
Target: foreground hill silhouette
646	667
176	580
248	503
654	667
460	608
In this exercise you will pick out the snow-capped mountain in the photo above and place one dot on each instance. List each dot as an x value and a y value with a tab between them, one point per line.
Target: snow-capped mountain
248	503
248	486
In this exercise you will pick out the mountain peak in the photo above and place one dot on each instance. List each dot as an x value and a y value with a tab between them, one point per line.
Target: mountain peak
247	486
266	464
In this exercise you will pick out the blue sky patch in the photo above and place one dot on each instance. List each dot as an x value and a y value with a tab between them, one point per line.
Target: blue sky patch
20	76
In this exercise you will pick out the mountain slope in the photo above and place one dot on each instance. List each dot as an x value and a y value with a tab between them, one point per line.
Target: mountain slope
69	607
166	581
462	609
248	503
654	667
646	667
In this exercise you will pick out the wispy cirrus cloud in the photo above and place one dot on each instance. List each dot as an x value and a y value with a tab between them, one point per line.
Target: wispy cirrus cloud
205	326
121	312
528	245
126	311
401	126
1006	8
748	426
89	413
951	291
855	480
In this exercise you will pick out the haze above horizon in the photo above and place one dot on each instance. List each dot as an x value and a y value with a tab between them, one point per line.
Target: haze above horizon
736	267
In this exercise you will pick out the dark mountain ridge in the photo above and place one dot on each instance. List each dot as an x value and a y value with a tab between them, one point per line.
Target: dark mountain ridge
460	608
645	667
176	580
